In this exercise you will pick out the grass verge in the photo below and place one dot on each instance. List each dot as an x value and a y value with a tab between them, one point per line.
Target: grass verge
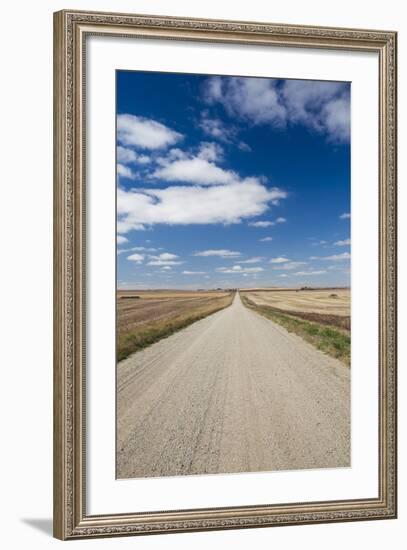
153	331
330	340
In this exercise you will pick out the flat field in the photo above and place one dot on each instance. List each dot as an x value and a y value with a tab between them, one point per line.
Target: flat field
330	305
320	316
146	316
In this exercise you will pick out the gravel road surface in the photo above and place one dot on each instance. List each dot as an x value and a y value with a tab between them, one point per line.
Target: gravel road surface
233	392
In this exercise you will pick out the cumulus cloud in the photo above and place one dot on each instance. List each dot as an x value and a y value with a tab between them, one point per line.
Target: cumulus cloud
217	129
222	253
197	169
145	133
289	266
266	239
193	272
238	269
121	240
345	242
261	224
125	172
136	258
163	262
279	260
268	223
334	258
254	260
126	155
182	205
210	151
253	99
320	106
164	259
345	216
165	256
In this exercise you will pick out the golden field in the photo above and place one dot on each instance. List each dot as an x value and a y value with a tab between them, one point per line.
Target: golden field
333	301
146	316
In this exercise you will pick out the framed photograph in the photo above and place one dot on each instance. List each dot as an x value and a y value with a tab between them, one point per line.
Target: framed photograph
225	274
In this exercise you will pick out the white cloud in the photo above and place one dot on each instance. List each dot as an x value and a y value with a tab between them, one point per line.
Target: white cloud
165	256
304	273
182	205
214	128
320	106
123	226
237	269
336	117
261	224
319	243
289	266
144	132
280	260
163	262
164	259
334	258
125	155
210	151
136	258
266	239
128	156
166	268
194	272
281	220
243	146
283	275
254	260
345	242
121	240
345	216
124	172
222	253
254	99
217	129
196	170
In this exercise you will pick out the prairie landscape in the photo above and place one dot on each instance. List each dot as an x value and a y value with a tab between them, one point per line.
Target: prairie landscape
145	316
231	392
233	217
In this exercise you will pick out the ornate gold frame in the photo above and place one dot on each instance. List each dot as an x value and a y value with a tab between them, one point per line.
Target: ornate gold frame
70	31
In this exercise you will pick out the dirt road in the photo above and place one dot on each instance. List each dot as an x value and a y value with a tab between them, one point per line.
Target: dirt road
231	393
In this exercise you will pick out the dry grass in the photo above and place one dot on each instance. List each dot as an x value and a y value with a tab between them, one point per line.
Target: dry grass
144	317
328	332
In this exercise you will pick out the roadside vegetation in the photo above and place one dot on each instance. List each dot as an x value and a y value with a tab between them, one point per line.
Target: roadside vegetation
331	340
144	321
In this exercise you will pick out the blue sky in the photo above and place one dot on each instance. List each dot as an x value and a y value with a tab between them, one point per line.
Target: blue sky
232	182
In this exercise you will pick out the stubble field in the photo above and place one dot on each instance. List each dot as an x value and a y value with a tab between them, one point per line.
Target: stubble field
320	316
146	316
329	305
